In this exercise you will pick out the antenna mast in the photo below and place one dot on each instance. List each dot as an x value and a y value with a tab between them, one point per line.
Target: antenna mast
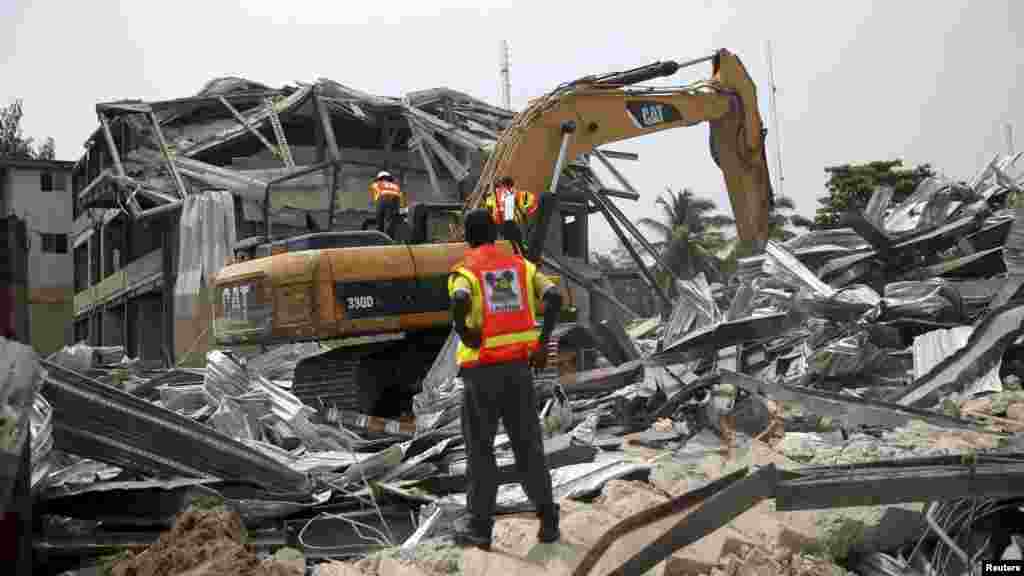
779	178
506	84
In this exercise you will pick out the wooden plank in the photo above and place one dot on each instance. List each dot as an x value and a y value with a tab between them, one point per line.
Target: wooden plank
328	128
282	142
230	134
335	174
421	147
250	127
167	155
110	145
457	170
96	182
139	188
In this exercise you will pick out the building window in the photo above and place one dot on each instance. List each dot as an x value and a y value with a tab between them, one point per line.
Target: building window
55	243
51	181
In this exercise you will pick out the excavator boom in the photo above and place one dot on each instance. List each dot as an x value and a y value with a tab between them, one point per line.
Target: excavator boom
595	111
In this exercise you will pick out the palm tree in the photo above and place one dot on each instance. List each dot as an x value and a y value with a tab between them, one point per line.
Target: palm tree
690	235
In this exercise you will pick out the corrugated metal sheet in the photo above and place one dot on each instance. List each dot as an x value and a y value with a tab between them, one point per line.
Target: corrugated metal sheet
100	422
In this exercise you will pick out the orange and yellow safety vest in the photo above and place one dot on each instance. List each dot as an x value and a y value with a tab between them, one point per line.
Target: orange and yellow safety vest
384	188
503	306
525	205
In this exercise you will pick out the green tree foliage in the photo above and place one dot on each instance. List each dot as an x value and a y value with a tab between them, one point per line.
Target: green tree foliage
851	186
13	143
689	234
781	220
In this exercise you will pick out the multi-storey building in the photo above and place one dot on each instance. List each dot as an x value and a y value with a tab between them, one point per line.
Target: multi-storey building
39	193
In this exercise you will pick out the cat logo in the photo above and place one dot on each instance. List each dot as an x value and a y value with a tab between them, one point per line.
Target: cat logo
648	113
502	291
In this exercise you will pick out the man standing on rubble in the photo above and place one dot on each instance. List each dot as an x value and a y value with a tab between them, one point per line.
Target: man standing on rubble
495	297
387	198
510	208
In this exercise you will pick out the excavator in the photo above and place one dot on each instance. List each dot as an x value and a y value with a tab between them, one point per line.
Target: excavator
384	305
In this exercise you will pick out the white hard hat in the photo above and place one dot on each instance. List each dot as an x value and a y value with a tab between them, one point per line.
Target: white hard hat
383	174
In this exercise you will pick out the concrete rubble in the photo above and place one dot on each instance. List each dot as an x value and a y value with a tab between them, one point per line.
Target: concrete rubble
895	343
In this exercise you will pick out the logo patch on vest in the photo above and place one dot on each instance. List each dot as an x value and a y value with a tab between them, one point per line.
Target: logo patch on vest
502	291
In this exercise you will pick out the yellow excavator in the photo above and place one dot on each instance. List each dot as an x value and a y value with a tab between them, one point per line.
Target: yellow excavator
385	304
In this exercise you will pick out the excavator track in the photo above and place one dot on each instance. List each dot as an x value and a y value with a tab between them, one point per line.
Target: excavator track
329	379
376	378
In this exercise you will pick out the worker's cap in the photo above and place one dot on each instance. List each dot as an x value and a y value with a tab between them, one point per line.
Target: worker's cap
383	174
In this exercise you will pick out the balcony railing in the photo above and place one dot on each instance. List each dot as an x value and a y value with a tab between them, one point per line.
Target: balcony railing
138	272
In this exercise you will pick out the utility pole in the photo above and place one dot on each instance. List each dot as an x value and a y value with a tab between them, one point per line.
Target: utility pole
1008	127
506	84
779	178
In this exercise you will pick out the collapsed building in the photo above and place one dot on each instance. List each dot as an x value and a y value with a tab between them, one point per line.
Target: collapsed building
146	245
872	365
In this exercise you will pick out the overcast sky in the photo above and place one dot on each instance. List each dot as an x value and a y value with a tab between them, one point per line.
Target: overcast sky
857	80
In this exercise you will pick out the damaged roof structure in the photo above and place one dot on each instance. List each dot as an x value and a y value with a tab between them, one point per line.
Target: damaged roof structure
239	135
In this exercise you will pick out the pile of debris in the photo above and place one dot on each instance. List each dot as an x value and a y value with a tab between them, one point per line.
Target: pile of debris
889	351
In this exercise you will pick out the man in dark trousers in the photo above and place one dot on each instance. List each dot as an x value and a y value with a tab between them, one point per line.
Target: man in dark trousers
495	298
386	196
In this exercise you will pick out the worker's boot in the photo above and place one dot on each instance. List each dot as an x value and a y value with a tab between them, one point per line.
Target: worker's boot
549	531
470	531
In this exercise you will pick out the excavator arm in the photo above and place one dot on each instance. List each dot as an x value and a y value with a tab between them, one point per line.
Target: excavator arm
581	116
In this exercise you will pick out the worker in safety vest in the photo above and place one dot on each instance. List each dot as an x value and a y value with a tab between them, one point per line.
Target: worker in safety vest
386	197
510	208
495	297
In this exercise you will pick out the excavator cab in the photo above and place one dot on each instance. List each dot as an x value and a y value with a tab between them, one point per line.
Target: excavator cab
426	223
423	223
